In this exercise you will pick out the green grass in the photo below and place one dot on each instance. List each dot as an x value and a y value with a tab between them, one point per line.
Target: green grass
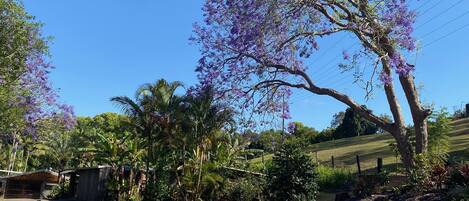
370	147
334	179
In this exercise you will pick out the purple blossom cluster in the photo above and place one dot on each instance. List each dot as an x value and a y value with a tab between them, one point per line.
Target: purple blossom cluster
291	127
246	45
25	72
400	65
400	20
38	98
241	41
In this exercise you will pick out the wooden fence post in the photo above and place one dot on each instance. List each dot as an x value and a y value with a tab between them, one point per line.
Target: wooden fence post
333	162
358	165
467	110
263	158
380	165
317	160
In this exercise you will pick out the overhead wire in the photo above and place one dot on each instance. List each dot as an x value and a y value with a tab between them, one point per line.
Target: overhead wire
446	35
445	24
440	13
326	79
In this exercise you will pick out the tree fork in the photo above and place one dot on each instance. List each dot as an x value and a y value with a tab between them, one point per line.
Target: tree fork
419	114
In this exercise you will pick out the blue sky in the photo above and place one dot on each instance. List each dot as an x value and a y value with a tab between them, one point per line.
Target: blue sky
108	48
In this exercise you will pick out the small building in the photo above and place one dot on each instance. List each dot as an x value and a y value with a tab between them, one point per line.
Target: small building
31	185
88	184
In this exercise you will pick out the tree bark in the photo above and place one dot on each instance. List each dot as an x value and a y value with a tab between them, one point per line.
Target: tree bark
399	131
419	114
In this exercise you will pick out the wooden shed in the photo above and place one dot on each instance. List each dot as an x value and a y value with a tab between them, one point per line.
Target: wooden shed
89	184
32	185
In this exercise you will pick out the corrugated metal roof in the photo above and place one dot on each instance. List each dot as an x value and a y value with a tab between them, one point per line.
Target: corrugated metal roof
38	175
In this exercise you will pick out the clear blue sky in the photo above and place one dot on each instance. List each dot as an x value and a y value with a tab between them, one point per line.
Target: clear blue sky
107	48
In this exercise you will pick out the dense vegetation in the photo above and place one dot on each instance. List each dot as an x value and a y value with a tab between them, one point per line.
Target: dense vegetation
196	145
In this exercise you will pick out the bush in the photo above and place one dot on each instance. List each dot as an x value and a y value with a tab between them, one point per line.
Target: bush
60	191
369	184
248	189
460	175
292	176
429	173
334	178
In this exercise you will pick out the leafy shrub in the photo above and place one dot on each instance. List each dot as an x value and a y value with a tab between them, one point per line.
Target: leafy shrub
429	173
419	177
60	191
460	175
369	184
439	175
459	112
334	178
292	176
458	193
438	135
248	189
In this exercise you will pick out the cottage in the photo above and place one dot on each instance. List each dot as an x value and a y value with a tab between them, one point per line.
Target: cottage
32	185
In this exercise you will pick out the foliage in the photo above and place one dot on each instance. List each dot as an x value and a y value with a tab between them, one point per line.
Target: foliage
438	134
331	179
369	184
25	89
337	119
430	173
460	175
292	176
60	191
302	132
255	52
252	39
459	112
28	102
354	125
324	135
248	189
268	141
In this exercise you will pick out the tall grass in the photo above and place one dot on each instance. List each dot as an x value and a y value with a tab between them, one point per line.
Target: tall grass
333	179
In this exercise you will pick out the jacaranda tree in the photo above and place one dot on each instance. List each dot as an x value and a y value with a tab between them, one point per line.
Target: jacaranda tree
27	98
256	51
25	88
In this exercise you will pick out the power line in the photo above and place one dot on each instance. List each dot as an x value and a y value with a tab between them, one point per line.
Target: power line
445	24
327	50
421	6
439	14
321	70
325	71
446	35
433	6
343	80
329	66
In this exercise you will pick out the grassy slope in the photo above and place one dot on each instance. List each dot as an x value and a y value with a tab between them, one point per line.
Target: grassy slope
370	147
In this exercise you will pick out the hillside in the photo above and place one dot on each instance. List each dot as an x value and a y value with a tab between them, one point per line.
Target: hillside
370	147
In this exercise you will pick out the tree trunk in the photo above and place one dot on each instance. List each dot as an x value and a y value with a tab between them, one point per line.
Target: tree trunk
419	114
399	131
404	147
26	161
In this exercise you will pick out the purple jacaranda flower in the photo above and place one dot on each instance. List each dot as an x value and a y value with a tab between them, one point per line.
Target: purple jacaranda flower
291	127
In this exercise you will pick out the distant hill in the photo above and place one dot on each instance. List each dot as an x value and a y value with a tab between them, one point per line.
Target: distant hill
370	147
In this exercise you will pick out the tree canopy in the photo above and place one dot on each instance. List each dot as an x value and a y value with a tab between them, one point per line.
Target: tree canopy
255	52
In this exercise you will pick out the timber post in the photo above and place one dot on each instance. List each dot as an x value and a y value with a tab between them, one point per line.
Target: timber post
379	165
358	165
467	110
332	161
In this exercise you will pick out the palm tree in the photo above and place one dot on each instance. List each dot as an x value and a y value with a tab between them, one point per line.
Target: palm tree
152	112
204	121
